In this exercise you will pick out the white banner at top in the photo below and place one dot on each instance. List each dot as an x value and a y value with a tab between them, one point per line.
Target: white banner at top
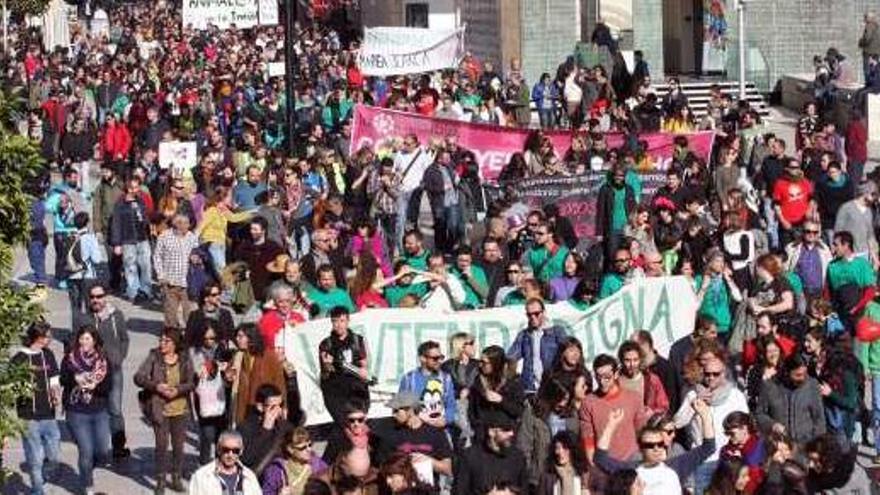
225	13
391	51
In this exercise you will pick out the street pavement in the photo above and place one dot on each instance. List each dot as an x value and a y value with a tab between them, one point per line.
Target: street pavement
133	476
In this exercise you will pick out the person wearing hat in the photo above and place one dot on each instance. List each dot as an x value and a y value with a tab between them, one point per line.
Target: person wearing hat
492	462
412	435
856	217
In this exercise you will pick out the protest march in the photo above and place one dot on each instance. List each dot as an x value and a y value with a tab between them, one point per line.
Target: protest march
434	276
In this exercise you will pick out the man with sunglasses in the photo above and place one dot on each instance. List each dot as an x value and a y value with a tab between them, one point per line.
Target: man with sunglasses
661	473
225	475
432	386
537	345
722	396
113	329
809	258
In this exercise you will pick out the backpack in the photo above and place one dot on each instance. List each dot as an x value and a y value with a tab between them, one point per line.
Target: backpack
74	260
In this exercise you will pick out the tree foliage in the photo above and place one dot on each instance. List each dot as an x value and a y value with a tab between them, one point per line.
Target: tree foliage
20	163
27	7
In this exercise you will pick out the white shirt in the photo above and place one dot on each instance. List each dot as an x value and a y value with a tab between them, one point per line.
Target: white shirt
659	480
437	299
206	482
416	172
735	401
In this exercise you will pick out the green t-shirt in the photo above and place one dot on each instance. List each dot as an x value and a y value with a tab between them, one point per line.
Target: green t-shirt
579	305
543	269
611	283
515	298
394	293
473	300
327	300
419	261
857	271
716	304
618	211
794	280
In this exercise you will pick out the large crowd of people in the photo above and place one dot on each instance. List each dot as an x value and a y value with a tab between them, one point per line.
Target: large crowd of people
769	394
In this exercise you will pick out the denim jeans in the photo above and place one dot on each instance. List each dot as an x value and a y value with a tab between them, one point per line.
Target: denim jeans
402	211
138	269
218	256
546	117
875	406
41	442
209	432
703	476
91	431
114	404
37	260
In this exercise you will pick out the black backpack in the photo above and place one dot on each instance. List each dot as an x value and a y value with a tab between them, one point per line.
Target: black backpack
73	248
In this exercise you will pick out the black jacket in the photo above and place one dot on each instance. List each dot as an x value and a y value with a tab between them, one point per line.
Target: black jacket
113	332
479	468
605	207
129	223
260	444
222	322
44	369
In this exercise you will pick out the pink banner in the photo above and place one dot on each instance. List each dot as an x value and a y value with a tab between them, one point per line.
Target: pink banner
493	145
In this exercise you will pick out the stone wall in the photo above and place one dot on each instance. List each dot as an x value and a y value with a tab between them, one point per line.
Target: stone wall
648	33
782	36
550	29
482	36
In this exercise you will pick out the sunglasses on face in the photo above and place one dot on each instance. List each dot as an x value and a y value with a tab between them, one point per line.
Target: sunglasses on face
652	445
534	314
230	450
712	374
436	357
96	296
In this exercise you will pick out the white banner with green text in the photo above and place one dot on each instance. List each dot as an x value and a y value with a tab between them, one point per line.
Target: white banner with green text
665	306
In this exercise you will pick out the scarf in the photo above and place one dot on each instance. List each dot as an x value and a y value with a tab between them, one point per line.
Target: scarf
90	368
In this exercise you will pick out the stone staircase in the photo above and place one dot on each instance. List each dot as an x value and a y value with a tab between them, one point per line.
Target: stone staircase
698	94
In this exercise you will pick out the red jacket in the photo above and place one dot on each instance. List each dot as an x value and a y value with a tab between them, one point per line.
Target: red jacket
750	350
116	142
273	322
857	142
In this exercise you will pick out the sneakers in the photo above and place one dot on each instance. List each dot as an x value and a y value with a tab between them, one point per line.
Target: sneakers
39	293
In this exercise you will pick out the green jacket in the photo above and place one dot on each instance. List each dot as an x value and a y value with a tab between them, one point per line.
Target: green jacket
869	356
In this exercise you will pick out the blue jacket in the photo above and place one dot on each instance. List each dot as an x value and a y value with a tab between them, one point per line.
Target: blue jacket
416	380
245	195
538	94
62	220
551	340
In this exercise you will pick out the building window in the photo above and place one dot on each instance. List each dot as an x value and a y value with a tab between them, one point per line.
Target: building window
417	15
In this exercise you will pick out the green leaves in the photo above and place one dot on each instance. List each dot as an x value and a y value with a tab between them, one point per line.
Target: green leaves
20	163
27	7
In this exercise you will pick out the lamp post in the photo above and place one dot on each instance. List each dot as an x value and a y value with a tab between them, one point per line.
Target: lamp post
291	68
741	45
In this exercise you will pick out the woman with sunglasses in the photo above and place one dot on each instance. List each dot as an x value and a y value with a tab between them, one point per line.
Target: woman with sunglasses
209	359
511	293
288	473
167	376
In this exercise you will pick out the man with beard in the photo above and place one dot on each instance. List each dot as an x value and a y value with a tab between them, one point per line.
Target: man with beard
493	462
723	398
793	198
639	380
791	403
257	253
